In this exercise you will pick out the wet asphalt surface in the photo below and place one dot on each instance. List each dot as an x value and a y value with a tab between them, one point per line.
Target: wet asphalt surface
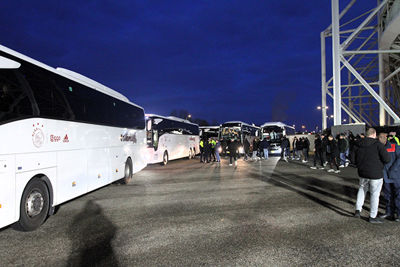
268	213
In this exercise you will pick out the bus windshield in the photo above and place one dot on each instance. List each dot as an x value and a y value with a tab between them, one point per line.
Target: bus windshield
273	133
230	132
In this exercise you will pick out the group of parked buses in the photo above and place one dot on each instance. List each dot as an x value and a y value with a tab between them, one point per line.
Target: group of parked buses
63	135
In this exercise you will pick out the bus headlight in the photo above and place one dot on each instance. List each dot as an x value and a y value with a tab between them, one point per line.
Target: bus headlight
241	150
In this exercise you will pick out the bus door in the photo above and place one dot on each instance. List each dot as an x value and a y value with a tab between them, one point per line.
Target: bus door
152	135
7	190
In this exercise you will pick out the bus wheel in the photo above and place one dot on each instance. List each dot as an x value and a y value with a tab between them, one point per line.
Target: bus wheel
165	158
34	205
190	153
128	172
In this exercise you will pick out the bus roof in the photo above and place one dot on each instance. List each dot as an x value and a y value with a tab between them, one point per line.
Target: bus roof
278	123
79	78
240	122
209	127
172	118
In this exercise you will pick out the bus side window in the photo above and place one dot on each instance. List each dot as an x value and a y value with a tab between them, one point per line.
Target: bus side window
49	98
14	101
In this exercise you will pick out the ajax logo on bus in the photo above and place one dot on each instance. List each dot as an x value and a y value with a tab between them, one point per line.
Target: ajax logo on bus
37	135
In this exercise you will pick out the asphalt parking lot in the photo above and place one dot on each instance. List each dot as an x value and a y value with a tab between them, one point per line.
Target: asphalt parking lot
269	213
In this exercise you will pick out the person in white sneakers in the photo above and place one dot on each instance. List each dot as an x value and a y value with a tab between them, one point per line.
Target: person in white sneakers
233	147
370	157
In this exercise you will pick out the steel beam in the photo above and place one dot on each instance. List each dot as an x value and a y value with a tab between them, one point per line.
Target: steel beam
391	75
358	48
347	110
323	81
348	41
355	85
371	90
370	52
336	52
382	114
344	11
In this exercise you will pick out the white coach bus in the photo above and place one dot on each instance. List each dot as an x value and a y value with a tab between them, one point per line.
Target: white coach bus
170	138
209	131
238	130
274	131
62	135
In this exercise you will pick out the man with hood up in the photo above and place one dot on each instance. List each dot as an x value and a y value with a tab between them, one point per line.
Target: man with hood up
371	156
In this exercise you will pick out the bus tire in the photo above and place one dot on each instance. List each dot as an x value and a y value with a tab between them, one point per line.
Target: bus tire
34	206
165	158
128	173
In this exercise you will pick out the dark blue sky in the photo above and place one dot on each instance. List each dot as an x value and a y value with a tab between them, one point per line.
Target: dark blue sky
254	61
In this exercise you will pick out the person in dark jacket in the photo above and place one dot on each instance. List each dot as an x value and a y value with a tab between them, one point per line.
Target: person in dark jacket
343	146
332	153
318	153
207	150
324	139
285	145
299	148
371	156
306	148
233	147
294	144
352	144
256	143
264	147
391	178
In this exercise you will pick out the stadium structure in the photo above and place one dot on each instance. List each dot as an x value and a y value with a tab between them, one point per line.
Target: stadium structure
365	85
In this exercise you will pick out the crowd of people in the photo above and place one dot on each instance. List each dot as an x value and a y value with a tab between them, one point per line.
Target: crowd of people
211	149
333	151
377	159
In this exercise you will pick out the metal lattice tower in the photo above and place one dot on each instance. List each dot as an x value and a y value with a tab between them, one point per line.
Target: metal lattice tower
365	85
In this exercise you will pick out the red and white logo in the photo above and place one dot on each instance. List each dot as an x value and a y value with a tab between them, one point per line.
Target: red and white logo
66	140
37	135
54	138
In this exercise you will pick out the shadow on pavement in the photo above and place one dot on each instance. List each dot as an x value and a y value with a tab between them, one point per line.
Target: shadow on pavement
91	234
319	186
343	170
304	186
280	181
